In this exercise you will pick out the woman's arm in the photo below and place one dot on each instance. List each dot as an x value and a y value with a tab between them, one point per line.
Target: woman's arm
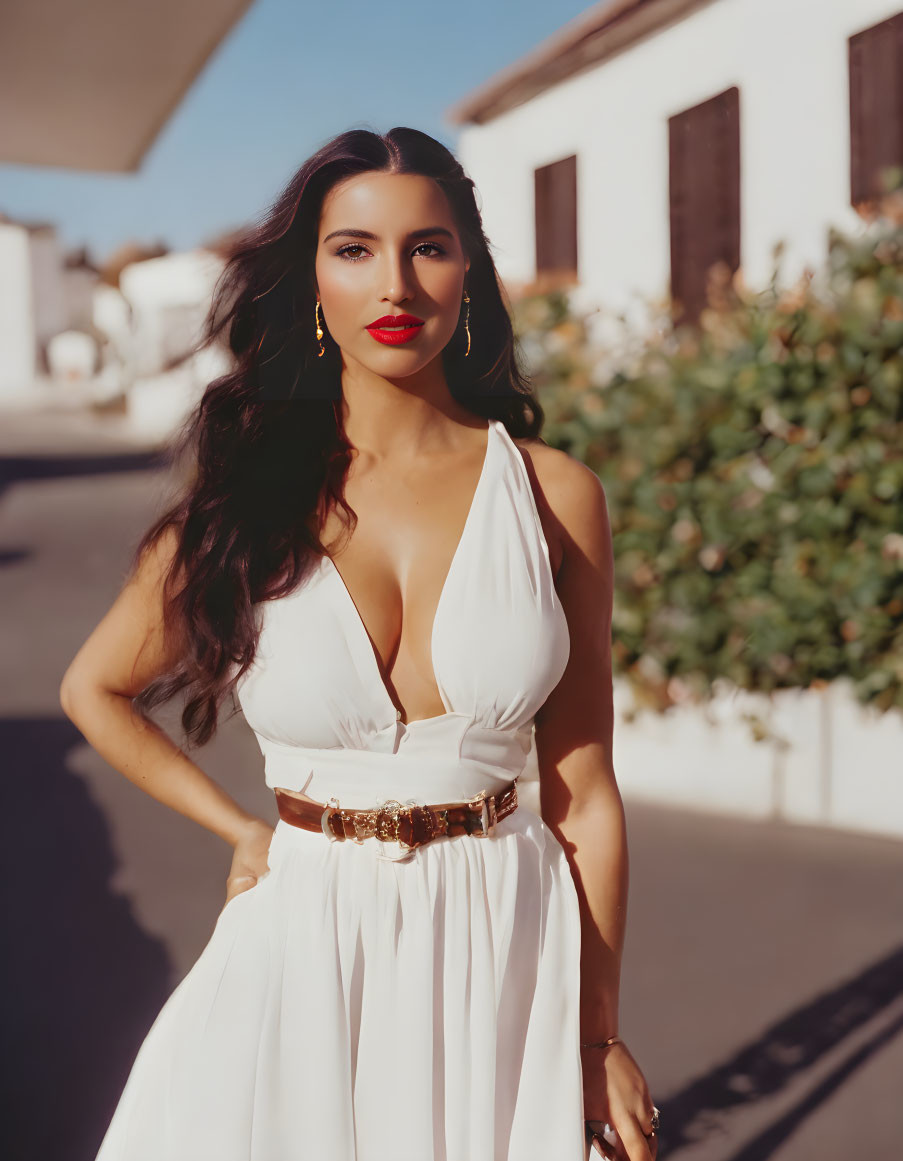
123	653
580	799
579	795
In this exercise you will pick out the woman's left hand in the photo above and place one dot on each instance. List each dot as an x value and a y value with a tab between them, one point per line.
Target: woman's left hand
614	1090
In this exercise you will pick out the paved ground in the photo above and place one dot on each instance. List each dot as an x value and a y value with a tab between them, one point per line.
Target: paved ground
763	972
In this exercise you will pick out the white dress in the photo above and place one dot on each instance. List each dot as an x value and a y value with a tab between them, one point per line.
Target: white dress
352	1005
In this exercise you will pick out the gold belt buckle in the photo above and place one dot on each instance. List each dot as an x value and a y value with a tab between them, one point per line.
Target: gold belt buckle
381	823
326	820
385	830
387	815
485	805
364	825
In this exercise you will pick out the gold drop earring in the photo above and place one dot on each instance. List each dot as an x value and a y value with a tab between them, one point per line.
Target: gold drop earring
322	350
466	321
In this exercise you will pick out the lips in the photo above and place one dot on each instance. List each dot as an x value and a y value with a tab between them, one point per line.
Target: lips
393	329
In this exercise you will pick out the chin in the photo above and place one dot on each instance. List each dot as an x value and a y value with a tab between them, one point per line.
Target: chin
406	358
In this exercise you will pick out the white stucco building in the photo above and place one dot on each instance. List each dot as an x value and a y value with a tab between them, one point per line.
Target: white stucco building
649	137
644	141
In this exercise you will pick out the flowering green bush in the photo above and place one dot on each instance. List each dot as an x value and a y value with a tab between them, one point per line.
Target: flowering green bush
754	475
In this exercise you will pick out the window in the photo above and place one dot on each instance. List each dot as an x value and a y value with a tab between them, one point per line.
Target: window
876	106
555	196
704	196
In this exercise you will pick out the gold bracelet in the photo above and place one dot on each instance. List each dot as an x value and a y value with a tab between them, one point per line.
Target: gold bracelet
604	1043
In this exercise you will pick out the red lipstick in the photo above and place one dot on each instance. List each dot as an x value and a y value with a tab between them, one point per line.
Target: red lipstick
393	329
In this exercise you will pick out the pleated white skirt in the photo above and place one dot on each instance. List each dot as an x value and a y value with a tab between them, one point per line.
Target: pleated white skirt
351	1008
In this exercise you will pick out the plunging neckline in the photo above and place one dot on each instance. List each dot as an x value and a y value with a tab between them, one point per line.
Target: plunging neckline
367	641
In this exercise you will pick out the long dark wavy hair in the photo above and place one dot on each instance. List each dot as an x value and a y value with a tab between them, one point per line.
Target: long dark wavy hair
265	447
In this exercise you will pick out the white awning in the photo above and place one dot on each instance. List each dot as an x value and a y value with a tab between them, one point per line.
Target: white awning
89	86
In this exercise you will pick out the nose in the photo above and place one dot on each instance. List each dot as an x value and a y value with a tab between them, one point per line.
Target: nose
397	278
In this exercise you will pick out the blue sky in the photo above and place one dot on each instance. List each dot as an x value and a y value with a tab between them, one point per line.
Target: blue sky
289	76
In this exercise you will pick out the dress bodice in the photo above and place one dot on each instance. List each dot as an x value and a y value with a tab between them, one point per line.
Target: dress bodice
314	694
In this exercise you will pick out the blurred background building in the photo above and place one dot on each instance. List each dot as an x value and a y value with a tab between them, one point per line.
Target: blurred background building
649	139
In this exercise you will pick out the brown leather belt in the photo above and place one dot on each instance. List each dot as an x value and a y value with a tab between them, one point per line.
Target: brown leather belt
410	824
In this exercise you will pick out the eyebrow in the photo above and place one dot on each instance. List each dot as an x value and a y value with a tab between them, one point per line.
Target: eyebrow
429	231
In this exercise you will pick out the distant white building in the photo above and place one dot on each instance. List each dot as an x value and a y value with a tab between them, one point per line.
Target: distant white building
649	139
43	292
169	298
18	352
73	335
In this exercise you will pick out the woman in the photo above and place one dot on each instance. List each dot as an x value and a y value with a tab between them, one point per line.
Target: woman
443	986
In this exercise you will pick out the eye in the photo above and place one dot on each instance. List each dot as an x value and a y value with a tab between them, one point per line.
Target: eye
431	245
345	251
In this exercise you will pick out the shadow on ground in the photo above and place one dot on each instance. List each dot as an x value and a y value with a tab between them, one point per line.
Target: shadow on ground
83	982
15	469
787	1049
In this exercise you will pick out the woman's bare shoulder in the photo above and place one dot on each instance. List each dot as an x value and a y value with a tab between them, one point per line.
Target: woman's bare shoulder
568	493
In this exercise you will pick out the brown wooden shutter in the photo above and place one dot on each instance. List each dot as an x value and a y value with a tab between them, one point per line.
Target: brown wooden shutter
876	106
704	195
555	189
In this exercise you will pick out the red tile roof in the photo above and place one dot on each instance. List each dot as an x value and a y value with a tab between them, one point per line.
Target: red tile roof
602	31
